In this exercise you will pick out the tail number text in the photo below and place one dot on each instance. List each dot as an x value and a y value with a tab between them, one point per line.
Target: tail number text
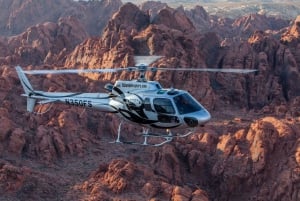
81	103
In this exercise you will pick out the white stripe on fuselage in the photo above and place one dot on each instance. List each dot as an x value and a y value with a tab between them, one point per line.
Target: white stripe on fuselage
99	101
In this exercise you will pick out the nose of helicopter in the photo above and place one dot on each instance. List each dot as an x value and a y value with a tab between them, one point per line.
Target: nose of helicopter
203	117
198	118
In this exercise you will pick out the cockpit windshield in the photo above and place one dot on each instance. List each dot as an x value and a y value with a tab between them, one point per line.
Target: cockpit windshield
186	104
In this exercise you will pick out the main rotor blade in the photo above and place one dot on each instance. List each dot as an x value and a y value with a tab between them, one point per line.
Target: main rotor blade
130	69
221	70
75	71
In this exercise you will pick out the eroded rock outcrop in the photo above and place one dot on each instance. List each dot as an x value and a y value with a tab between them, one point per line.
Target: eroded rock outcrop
291	38
19	181
247	157
275	63
17	16
226	162
125	37
261	156
122	176
255	160
248	24
12	178
43	43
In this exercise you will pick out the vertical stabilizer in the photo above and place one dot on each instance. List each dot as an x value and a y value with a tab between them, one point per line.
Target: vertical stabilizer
27	88
24	81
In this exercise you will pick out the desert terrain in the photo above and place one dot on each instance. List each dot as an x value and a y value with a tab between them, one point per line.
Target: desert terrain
250	150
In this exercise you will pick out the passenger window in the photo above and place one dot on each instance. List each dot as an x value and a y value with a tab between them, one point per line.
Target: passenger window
147	104
163	105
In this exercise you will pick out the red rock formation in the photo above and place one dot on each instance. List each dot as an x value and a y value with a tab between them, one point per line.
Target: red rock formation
43	43
225	27
248	24
94	15
170	30
17	141
197	15
258	151
293	33
229	162
200	18
12	137
237	156
276	65
12	178
291	38
174	19
17	16
129	35
152	7
128	180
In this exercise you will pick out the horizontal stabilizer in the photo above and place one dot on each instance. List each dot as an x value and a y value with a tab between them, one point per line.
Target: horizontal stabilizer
47	101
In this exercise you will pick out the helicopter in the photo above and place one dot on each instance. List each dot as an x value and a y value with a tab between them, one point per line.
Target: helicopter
140	101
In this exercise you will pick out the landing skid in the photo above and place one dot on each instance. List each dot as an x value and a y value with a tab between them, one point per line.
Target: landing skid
162	138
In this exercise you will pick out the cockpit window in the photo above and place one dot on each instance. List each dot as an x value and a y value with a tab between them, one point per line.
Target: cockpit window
163	105
186	104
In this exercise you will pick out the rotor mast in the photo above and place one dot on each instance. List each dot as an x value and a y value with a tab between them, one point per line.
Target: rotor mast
142	64
142	71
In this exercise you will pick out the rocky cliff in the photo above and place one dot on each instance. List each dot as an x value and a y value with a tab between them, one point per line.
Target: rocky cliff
18	15
43	43
249	151
172	30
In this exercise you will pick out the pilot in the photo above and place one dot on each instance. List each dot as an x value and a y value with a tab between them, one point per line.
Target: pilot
182	104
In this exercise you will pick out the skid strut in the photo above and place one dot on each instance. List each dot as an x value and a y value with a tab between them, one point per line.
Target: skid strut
162	138
119	132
